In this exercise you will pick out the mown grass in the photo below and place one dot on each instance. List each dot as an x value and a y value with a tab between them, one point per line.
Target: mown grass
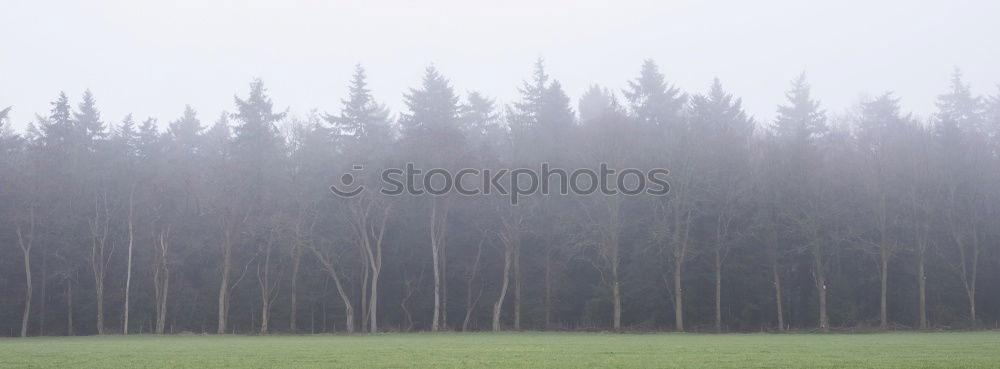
511	350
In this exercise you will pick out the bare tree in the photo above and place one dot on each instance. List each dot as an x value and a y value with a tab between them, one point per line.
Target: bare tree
330	267
26	241
128	268
100	252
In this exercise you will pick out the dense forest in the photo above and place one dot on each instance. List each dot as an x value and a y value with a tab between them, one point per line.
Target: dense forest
870	218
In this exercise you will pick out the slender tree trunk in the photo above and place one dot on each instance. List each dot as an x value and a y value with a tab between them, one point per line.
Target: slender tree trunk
98	256
376	263
820	279
69	306
922	290
264	280
296	259
348	308
224	284
404	302
471	302
718	290
43	301
678	295
332	272
161	279
100	309
224	292
505	282
365	278
439	222
517	287
26	246
548	285
884	271
128	268
437	272
616	298
776	275
444	285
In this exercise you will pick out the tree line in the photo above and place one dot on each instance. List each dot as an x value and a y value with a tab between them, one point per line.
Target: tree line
870	218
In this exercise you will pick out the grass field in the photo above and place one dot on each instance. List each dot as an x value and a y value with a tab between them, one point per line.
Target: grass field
512	350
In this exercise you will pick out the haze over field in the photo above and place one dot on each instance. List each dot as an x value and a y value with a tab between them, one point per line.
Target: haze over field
150	58
686	167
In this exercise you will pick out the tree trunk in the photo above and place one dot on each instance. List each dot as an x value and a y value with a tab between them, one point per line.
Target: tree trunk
26	246
161	279
470	302
365	272
922	291
98	255
439	222
296	259
548	285
42	308
268	284
884	269
264	281
718	290
616	297
517	287
128	268
367	235
348	308
505	282
776	275
437	272
404	302
224	286
678	295
100	308
330	269
69	306
820	279
444	285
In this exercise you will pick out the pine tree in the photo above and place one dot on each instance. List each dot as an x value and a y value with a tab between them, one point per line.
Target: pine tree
801	120
652	100
596	102
433	108
256	131
478	114
88	119
958	110
3	117
555	114
184	132
126	136
360	116
717	113
525	113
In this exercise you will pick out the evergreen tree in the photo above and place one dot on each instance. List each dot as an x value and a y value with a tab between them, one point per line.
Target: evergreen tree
433	108
653	101
801	120
88	119
184	131
595	103
360	116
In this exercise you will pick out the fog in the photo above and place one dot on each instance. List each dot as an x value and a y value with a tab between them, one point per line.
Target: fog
150	58
259	168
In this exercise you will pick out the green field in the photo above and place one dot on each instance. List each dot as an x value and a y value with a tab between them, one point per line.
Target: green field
512	350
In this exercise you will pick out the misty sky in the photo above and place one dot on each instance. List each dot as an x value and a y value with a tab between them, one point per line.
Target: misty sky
152	57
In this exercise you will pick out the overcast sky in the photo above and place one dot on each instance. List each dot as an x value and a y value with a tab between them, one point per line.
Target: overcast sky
151	58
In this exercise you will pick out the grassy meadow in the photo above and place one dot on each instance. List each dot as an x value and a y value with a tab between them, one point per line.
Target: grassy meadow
511	350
